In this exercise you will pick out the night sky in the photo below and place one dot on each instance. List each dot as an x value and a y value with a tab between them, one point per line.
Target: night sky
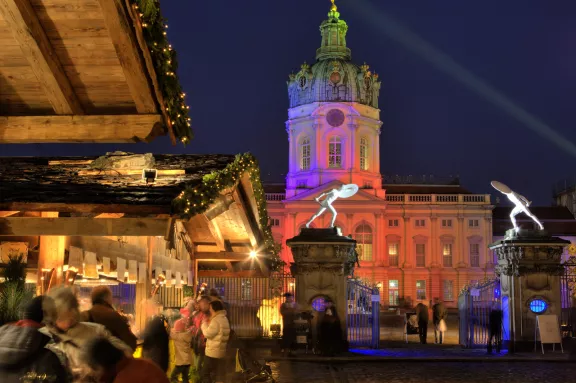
235	57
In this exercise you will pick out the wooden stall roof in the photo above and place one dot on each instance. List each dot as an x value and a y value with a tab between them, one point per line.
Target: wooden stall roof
86	71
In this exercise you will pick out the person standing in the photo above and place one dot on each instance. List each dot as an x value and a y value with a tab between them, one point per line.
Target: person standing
156	342
288	311
69	334
199	340
23	351
495	328
423	318
439	315
182	350
112	366
330	334
216	329
103	313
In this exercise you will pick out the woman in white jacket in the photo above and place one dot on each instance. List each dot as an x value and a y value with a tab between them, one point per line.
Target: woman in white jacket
216	329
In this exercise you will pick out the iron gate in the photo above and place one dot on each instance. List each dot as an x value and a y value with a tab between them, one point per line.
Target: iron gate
362	315
568	289
254	303
474	306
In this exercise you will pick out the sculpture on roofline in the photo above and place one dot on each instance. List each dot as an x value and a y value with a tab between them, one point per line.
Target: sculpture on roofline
344	191
521	204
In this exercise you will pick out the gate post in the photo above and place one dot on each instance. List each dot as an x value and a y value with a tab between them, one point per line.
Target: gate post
375	318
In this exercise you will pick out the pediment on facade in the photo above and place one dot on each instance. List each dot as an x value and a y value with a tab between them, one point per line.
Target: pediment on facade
310	195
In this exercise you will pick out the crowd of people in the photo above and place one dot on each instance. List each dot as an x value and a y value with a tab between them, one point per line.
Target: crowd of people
56	342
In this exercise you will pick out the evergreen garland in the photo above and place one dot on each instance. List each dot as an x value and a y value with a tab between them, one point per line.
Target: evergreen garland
197	199
165	64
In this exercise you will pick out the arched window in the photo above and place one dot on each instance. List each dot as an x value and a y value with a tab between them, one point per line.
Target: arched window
335	152
305	154
363	237
363	154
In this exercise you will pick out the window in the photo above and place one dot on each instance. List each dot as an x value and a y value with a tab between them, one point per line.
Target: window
393	291
474	255
473	223
274	222
393	223
364	238
363	154
335	152
393	254
446	223
305	154
447	255
448	290
301	184
420	223
368	185
421	290
420	255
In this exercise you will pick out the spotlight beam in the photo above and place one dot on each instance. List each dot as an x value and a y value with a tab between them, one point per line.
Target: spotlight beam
410	40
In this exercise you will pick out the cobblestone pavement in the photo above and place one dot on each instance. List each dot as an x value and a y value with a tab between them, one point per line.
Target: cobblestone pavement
427	372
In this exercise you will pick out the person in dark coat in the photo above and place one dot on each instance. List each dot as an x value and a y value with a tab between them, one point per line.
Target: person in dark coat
423	318
288	310
330	332
156	345
103	313
24	356
439	313
495	328
113	366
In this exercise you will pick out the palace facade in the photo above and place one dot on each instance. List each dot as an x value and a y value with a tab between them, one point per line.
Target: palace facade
417	239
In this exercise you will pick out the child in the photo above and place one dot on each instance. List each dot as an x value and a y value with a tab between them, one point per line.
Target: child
182	339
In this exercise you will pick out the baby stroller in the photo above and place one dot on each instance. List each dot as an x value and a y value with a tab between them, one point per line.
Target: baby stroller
249	369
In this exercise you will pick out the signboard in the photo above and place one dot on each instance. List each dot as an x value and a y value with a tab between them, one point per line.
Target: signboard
548	329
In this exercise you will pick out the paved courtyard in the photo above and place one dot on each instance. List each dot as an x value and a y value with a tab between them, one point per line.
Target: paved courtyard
417	372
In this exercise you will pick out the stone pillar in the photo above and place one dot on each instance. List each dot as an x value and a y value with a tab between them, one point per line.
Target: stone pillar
323	260
529	267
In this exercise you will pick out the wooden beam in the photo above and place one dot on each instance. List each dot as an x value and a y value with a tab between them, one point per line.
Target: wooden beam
243	214
8	213
224	274
85	129
82	226
216	233
229	266
84	208
35	45
110	215
128	52
221	256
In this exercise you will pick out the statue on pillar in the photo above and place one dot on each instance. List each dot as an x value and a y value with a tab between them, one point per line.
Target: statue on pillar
344	191
521	204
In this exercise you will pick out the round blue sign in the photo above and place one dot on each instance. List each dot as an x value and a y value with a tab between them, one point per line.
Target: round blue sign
538	306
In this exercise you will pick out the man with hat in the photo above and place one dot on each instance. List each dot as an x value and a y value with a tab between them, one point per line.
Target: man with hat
23	353
288	310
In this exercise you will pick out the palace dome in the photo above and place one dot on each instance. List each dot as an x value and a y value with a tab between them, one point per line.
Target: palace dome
334	77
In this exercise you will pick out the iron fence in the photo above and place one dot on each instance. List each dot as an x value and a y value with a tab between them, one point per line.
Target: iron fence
475	304
362	315
254	303
568	290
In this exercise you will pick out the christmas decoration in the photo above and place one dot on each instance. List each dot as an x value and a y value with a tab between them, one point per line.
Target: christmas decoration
165	64
196	200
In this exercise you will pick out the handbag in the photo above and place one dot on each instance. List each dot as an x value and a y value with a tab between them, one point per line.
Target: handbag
442	326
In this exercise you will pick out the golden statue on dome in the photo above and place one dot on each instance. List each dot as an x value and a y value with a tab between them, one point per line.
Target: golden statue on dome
334	8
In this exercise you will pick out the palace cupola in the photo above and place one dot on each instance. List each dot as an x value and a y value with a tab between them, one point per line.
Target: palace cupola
334	120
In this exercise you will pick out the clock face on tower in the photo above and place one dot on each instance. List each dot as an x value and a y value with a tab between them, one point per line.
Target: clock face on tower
335	117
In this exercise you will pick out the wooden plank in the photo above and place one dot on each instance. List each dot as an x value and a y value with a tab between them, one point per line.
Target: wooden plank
96	129
221	256
216	233
35	45
8	213
84	208
225	274
109	215
128	53
66	226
